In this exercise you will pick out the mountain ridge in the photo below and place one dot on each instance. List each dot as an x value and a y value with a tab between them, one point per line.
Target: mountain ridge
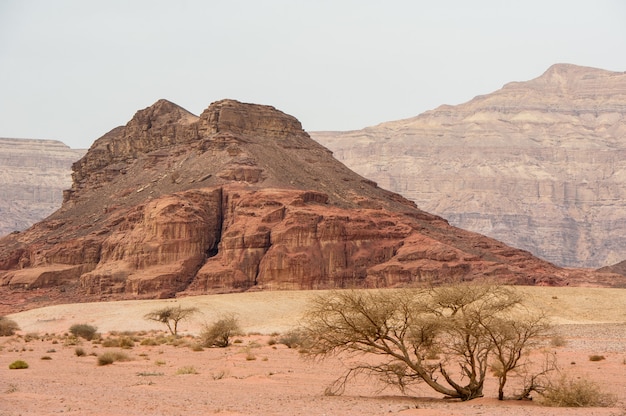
537	164
239	198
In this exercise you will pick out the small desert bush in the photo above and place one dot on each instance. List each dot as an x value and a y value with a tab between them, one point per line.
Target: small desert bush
187	370
219	375
46	358
149	342
569	392
111	357
597	357
7	326
219	333
79	352
31	336
119	342
558	341
85	331
18	365
250	355
71	340
294	339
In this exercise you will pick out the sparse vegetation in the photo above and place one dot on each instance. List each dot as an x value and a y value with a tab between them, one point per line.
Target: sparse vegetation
558	341
424	335
11	389
79	352
250	355
119	342
295	338
569	392
219	333
18	365
8	326
85	331
171	316
187	370
112	356
46	358
219	375
149	374
596	357
149	342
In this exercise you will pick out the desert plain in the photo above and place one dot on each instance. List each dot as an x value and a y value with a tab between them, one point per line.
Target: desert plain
258	375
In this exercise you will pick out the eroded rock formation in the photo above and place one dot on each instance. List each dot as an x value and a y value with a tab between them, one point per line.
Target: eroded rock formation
239	198
540	165
33	175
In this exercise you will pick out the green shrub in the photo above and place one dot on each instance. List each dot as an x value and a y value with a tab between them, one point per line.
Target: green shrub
85	331
7	326
569	392
18	365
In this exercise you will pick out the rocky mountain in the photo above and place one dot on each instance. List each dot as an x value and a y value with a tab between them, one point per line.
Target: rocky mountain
33	175
540	165
239	198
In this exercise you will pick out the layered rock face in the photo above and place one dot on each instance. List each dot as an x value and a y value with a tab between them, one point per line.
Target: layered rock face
240	198
33	175
540	165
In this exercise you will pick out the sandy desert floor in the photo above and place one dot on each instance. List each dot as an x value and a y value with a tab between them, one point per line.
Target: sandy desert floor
254	376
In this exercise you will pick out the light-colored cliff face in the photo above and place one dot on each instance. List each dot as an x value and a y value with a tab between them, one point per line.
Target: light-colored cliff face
540	165
33	175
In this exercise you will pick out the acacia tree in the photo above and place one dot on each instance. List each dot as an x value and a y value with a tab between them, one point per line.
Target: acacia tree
438	336
510	339
171	316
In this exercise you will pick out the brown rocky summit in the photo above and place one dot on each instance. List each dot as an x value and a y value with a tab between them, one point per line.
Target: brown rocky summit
239	198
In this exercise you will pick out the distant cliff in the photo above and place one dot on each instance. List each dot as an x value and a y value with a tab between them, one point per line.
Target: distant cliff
540	165
33	175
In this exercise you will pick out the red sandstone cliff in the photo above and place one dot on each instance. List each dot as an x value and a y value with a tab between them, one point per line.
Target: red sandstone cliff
239	198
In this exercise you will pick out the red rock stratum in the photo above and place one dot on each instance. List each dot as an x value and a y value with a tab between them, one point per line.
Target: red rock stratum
239	198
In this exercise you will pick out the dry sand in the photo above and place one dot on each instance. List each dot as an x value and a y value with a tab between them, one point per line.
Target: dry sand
255	378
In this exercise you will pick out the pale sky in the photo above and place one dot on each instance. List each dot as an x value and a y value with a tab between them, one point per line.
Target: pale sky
71	70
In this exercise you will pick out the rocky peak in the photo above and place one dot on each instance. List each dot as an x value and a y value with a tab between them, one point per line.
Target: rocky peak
572	80
165	124
246	119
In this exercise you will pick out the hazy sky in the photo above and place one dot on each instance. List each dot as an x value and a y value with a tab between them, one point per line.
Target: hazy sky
73	70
